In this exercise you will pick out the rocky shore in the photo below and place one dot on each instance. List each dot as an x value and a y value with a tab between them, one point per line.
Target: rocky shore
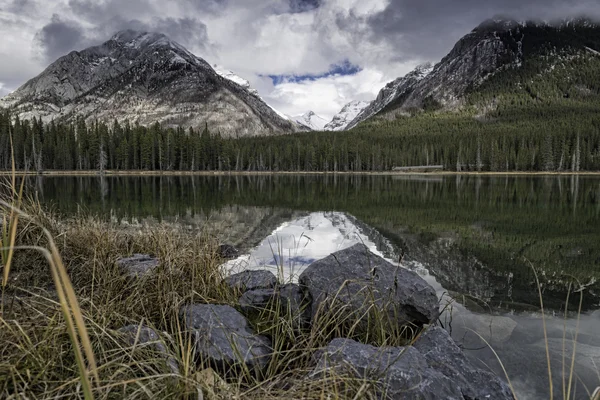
355	295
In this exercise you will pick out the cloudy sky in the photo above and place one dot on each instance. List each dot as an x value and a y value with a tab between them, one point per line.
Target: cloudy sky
300	54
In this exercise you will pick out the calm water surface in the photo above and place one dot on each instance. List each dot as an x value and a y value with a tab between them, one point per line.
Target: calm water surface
473	238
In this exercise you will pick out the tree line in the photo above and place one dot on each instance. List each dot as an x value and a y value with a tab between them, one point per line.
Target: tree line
542	116
458	143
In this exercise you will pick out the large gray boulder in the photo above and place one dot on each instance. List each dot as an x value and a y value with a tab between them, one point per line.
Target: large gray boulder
223	338
434	368
394	372
442	354
292	300
287	299
257	301
143	336
355	280
138	265
251	280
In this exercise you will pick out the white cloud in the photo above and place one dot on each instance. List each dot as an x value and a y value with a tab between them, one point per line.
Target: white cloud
255	38
325	96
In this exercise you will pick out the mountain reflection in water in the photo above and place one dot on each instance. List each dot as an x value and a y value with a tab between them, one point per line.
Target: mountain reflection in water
294	245
517	337
471	237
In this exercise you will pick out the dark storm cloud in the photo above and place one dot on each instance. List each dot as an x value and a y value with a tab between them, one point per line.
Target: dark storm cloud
427	29
18	6
59	37
209	6
94	10
304	5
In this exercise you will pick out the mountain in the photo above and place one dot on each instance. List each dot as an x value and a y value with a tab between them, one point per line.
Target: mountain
392	91
307	238
144	78
494	47
346	115
311	121
233	77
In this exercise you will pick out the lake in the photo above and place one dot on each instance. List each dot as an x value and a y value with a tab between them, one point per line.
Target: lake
475	239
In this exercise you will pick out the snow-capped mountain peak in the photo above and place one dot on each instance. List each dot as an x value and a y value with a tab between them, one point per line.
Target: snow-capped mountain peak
230	75
233	77
311	121
145	78
346	115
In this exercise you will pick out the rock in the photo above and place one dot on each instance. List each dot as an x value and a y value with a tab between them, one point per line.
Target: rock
434	368
223	338
138	265
147	78
143	336
396	372
357	279
290	298
251	280
444	355
228	252
256	301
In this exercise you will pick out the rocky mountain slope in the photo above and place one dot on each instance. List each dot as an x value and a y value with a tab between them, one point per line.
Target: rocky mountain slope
492	47
350	111
144	78
233	77
310	121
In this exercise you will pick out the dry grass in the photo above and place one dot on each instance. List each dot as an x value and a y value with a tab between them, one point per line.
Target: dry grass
38	353
44	354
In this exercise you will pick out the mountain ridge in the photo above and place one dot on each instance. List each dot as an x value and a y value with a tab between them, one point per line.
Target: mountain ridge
144	77
311	121
347	114
494	45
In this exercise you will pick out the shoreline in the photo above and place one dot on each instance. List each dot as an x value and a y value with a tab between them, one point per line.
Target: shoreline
53	173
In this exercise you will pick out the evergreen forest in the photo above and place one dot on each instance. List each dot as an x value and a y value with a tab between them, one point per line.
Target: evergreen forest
541	116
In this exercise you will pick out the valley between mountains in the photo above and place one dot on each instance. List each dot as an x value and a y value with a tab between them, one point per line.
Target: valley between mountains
510	96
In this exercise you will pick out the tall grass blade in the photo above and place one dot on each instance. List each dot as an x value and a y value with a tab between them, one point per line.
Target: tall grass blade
9	235
68	310
69	304
537	281
572	372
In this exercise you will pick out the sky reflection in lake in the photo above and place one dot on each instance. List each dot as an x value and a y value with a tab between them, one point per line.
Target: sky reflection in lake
517	337
296	244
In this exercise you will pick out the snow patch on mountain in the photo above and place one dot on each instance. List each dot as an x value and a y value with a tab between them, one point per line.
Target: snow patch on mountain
304	240
145	78
593	51
230	75
393	91
311	121
233	77
346	115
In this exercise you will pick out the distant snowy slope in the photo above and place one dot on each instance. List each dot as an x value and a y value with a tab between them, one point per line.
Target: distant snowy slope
233	77
399	88
230	75
346	115
145	78
311	121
